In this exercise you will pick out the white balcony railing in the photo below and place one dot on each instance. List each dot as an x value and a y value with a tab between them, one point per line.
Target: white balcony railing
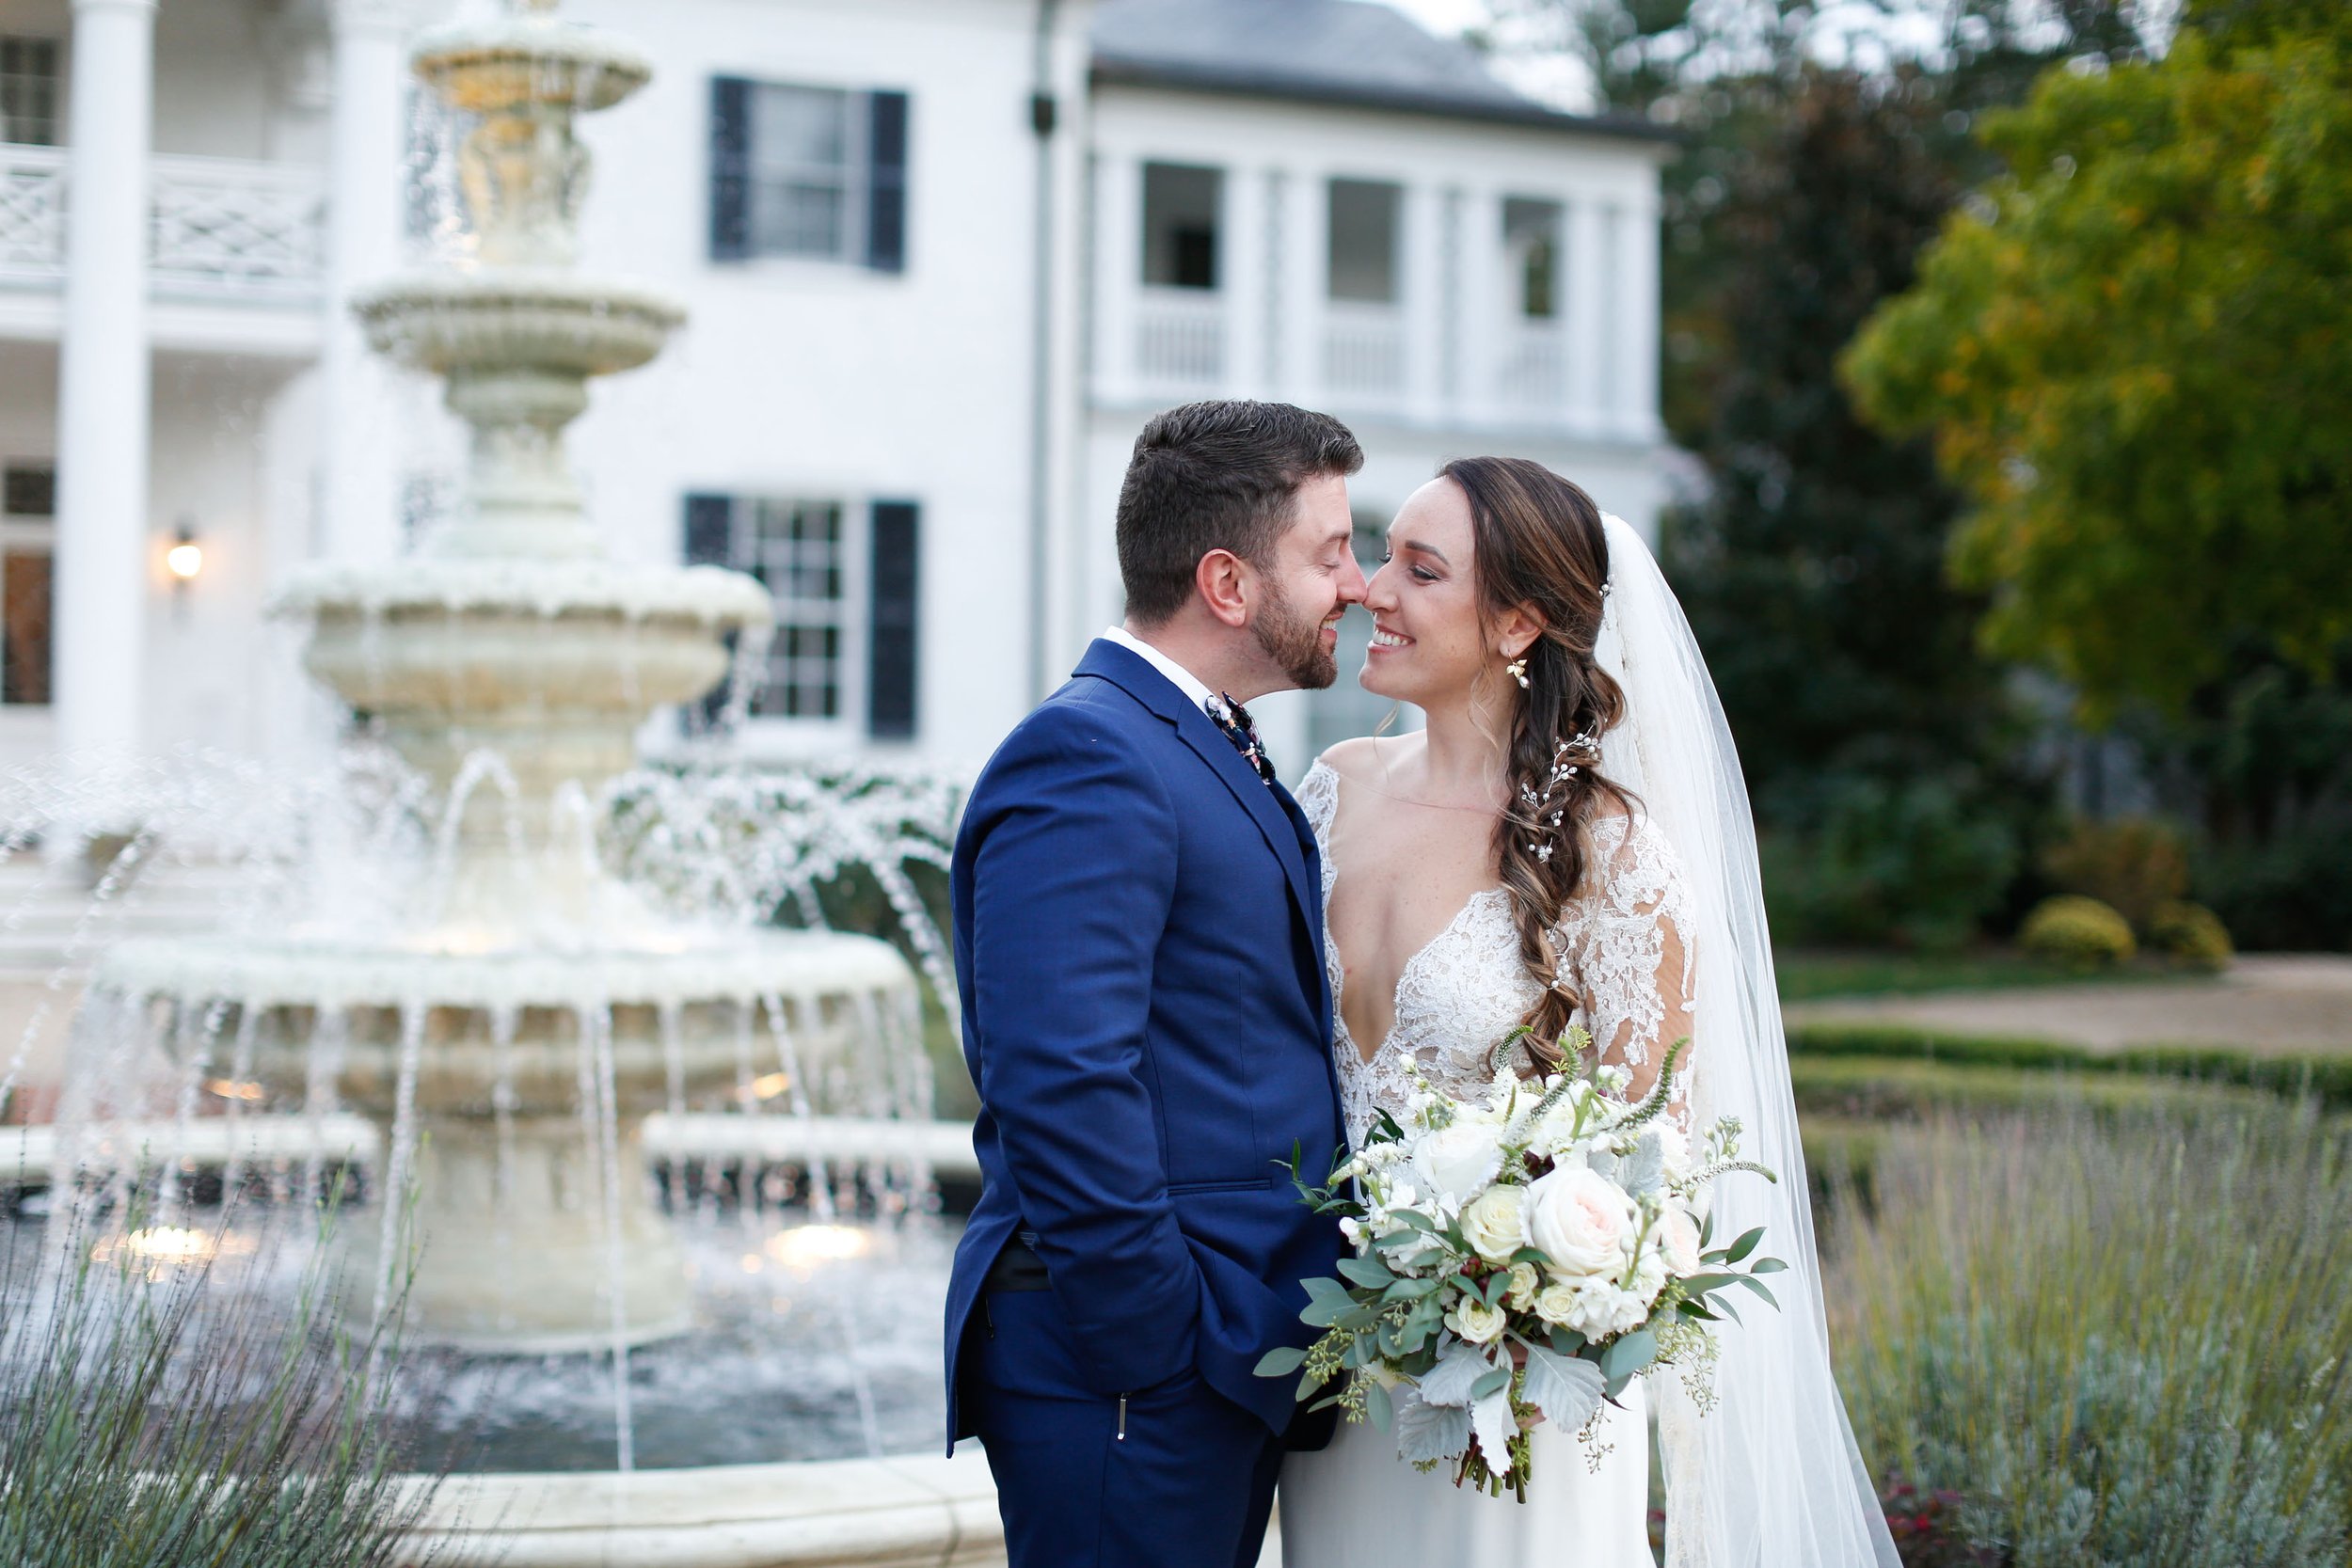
1180	338
32	212
1363	351
219	228
1533	375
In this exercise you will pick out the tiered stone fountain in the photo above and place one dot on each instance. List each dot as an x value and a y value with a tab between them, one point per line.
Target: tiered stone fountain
510	1023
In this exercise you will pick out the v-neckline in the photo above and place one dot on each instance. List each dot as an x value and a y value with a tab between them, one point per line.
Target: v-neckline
1404	971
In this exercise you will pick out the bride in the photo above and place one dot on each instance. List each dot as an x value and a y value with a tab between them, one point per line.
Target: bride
1568	842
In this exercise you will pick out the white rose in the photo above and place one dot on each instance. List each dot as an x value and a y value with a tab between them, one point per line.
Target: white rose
1678	1240
1474	1320
1456	1161
1599	1309
1556	1304
1582	1221
1525	1281
1493	1225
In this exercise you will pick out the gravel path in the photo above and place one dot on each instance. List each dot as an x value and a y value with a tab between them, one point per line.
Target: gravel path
2286	1003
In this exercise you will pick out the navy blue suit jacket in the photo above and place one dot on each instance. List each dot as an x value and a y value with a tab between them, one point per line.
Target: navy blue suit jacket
1139	933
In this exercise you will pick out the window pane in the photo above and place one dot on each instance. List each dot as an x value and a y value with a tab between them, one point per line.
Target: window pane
1364	240
31	490
1180	226
25	626
1531	237
794	127
801	166
796	550
28	90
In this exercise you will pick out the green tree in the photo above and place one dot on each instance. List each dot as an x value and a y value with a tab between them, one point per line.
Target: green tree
2134	350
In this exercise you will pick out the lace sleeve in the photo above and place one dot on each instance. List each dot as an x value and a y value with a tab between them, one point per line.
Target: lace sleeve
1627	950
1318	797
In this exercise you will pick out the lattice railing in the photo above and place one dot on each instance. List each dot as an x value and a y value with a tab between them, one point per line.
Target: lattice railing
226	226
219	228
32	212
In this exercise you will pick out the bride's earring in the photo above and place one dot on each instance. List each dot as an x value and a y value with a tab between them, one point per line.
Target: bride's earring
1517	671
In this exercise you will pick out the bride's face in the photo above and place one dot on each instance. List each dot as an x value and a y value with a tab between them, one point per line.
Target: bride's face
1428	644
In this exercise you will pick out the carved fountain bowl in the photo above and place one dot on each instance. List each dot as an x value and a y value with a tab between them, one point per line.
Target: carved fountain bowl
517	319
717	987
517	61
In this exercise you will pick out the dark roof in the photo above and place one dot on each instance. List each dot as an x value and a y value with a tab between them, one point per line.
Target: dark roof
1358	53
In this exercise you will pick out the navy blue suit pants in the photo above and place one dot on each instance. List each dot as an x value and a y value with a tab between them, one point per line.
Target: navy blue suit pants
1181	1477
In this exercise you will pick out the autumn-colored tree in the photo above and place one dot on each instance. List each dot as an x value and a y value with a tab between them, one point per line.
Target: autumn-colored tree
2134	351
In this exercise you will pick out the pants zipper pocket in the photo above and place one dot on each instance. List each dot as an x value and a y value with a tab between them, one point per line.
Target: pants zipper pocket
1122	1418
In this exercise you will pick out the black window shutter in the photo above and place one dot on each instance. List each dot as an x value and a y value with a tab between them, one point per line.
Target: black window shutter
709	530
710	542
891	649
886	194
730	168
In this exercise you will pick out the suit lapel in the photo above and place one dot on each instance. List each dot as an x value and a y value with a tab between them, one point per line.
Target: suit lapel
1277	820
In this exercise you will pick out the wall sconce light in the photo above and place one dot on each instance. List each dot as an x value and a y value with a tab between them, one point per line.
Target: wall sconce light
186	557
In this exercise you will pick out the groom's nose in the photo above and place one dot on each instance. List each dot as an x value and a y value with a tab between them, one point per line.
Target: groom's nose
1352	581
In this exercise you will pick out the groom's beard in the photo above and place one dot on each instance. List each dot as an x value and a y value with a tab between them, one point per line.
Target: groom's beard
1294	642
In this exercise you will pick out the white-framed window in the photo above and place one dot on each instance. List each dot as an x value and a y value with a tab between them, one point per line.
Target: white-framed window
28	90
28	532
808	172
800	550
844	575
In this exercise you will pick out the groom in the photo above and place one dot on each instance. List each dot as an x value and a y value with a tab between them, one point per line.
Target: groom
1139	946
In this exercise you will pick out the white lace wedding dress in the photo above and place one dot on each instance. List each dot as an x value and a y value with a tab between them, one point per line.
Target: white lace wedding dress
1355	1504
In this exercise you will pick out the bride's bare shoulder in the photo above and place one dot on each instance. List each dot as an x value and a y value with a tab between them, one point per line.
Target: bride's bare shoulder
1361	756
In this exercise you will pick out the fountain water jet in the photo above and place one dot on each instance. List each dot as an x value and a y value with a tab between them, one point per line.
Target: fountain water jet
510	1029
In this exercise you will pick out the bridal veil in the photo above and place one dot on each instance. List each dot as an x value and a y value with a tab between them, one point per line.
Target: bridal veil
1769	1476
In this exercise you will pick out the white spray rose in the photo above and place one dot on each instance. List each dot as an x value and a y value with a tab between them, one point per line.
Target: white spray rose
1678	1240
1458	1160
1474	1320
1525	1282
1556	1304
1581	1220
1599	1309
1493	1223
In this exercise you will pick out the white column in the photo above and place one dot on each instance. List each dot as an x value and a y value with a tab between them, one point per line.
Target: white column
1118	272
1305	247
1637	318
358	454
1242	280
1589	311
101	550
1425	305
1486	305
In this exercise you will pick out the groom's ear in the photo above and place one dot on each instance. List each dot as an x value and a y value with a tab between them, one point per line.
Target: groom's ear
1225	584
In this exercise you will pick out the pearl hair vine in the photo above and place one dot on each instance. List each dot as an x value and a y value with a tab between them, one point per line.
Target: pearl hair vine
1568	758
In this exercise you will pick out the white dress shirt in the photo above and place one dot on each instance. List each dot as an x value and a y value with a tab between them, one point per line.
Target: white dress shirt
1184	680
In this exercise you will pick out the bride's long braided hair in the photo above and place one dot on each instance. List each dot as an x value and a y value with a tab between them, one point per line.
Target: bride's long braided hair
1540	544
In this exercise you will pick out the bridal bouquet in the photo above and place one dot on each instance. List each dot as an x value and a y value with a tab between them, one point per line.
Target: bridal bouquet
1520	1257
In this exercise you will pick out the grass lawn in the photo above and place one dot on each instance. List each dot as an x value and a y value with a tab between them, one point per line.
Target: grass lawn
1807	974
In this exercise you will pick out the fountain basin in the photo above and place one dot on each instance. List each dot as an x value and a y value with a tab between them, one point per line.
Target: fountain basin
917	1510
509	1088
517	318
519	61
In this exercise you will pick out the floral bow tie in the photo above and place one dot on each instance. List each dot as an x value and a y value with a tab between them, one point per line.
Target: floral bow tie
1232	718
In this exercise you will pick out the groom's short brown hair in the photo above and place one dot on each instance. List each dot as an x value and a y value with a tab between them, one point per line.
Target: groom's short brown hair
1216	476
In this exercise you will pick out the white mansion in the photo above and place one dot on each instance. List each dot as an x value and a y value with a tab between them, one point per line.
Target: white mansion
942	257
